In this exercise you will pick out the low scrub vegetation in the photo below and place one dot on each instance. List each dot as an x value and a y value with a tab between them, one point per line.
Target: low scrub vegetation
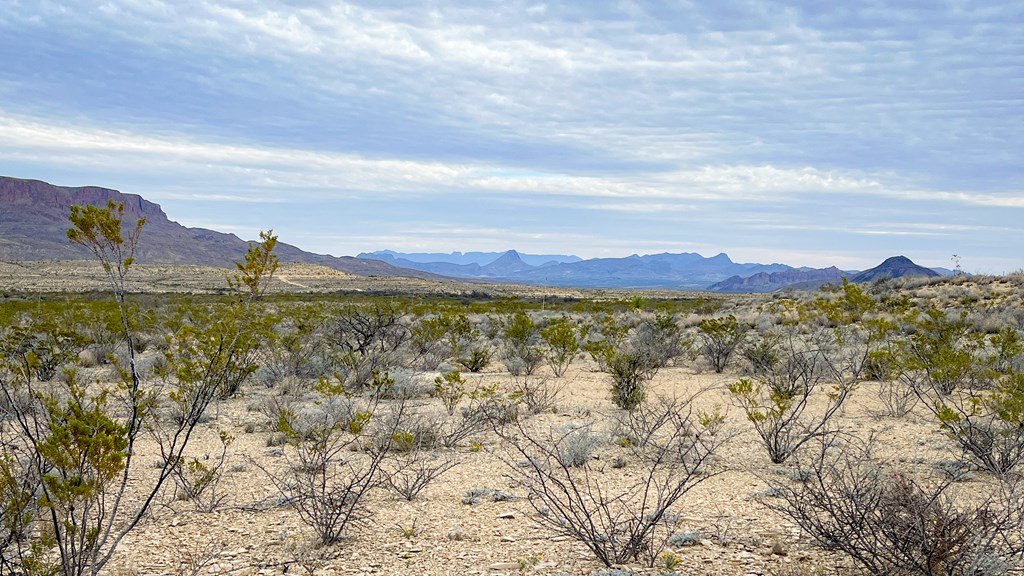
365	403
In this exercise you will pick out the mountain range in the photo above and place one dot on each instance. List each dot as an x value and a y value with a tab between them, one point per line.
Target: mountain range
34	221
481	258
684	270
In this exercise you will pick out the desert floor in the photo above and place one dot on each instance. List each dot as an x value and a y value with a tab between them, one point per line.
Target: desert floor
248	536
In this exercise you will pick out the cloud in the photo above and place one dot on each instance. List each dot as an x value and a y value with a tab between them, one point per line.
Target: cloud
264	171
642	113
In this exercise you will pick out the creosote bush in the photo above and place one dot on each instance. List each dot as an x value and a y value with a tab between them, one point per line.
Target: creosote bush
775	403
337	453
720	338
888	522
572	497
71	449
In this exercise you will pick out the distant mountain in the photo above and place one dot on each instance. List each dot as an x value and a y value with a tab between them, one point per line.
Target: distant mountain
806	279
812	279
509	264
34	223
679	271
464	258
895	267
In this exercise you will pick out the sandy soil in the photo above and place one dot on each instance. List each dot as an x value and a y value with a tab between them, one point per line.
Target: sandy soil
246	536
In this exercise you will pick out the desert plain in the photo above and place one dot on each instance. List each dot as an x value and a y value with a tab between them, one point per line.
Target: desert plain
477	517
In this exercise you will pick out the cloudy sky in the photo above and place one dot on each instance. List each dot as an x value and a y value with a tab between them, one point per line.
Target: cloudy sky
805	132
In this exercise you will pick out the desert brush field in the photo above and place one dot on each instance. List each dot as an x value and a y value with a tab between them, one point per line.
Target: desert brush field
295	420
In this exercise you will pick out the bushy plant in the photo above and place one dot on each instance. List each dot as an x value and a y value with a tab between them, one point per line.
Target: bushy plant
632	358
575	443
888	522
521	344
365	339
987	425
537	395
775	403
450	389
562	344
337	456
199	481
942	354
73	448
720	338
409	474
575	499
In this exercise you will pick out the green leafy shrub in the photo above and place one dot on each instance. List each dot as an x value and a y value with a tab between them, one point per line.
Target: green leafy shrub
562	344
721	337
74	447
520	342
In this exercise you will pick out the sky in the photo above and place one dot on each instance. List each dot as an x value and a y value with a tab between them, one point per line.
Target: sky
808	133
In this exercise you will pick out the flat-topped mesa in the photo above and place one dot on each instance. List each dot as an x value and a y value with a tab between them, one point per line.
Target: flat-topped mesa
34	224
38	195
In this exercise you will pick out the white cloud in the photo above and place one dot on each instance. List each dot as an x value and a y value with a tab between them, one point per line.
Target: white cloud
636	110
266	171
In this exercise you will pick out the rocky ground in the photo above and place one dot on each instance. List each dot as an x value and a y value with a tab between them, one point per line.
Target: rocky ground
438	534
731	531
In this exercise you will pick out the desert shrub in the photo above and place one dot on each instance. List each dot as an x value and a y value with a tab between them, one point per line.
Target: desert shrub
469	411
39	348
897	398
987	425
630	370
365	339
222	340
632	358
968	385
1008	350
575	443
429	338
617	525
520	344
336	457
475	355
295	347
450	389
641	427
199	481
601	332
762	353
561	344
720	337
408	474
72	447
537	395
942	354
888	522
662	339
775	403
463	342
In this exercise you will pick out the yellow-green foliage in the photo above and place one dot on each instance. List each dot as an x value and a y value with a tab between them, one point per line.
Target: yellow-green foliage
562	338
450	388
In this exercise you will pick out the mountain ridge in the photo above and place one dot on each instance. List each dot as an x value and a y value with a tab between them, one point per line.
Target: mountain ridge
481	258
33	226
684	270
34	223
